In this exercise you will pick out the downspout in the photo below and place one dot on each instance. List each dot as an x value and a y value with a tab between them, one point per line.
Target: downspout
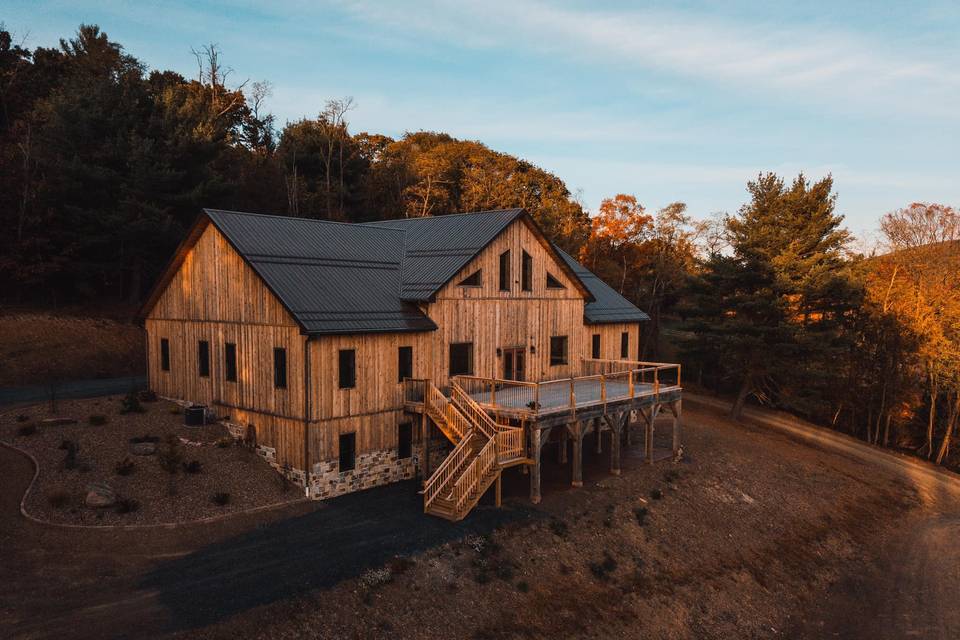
306	416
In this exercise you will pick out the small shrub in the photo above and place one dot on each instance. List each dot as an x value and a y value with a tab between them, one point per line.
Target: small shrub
399	565
147	396
127	505
131	404
125	467
602	570
194	466
72	449
671	475
656	494
523	587
22	418
97	420
175	411
559	527
59	499
641	514
225	442
221	499
170	458
376	577
27	429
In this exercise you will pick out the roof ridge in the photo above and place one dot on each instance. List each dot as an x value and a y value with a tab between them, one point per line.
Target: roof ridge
441	216
208	210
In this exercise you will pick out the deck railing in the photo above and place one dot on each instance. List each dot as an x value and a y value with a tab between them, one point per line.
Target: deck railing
602	381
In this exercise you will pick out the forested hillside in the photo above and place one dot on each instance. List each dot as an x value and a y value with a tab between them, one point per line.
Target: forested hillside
104	163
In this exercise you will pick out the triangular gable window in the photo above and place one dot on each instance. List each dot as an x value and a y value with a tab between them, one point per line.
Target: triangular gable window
553	283
472	280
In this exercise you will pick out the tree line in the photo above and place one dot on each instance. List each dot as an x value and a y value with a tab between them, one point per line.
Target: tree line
104	165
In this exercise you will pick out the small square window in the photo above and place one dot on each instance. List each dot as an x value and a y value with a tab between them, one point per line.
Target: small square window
405	441
348	452
230	361
164	354
404	363
203	358
526	272
280	368
348	368
558	350
461	359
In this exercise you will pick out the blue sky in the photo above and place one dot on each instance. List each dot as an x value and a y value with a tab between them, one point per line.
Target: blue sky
668	101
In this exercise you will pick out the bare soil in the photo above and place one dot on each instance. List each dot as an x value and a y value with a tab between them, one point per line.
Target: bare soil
733	542
39	348
58	496
748	537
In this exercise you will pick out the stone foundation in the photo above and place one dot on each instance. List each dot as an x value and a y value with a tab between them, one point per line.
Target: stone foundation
372	469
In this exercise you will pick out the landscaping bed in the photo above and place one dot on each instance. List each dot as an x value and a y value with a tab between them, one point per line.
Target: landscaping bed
104	458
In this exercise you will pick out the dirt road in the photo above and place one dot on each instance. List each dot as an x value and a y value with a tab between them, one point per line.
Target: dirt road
910	590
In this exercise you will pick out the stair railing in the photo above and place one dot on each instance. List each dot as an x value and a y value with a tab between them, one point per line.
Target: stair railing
447	470
468	482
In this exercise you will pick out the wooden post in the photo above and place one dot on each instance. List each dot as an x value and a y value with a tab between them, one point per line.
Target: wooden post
425	443
573	400
615	445
498	495
535	468
677	410
562	444
597	426
626	425
577	454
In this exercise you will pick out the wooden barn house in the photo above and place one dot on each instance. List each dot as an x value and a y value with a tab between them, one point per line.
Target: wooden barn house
354	355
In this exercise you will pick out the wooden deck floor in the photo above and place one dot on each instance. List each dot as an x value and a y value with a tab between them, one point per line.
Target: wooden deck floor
554	396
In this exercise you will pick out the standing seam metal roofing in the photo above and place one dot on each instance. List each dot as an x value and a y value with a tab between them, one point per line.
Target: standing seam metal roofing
607	305
360	278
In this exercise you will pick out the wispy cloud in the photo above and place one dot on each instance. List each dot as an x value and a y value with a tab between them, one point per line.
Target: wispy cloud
815	65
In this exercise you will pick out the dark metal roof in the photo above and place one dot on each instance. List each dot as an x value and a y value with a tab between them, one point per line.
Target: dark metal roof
607	306
438	247
332	277
337	278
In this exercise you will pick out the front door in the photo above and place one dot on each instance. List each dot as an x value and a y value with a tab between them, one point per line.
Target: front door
513	363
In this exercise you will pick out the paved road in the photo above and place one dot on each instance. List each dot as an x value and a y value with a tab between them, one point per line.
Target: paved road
72	389
911	589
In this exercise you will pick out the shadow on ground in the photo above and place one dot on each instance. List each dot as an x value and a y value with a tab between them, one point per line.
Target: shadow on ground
342	539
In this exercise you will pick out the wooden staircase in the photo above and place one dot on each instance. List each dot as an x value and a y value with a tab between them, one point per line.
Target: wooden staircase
483	450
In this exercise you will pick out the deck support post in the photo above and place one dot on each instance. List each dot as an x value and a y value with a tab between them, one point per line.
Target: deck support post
676	408
499	490
576	429
425	455
562	444
597	426
535	468
616	426
627	424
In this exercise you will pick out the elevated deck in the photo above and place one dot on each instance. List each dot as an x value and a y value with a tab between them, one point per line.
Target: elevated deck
611	397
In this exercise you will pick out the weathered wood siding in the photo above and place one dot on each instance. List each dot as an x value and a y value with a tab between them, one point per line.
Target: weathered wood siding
610	340
215	296
493	319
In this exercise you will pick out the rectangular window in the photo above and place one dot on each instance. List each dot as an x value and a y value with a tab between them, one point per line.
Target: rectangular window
624	345
164	354
348	368
203	358
526	272
405	441
230	361
558	350
280	368
348	451
461	359
404	363
505	271
595	346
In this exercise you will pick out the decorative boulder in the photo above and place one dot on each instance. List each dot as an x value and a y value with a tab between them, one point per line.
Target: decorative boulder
143	448
100	495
